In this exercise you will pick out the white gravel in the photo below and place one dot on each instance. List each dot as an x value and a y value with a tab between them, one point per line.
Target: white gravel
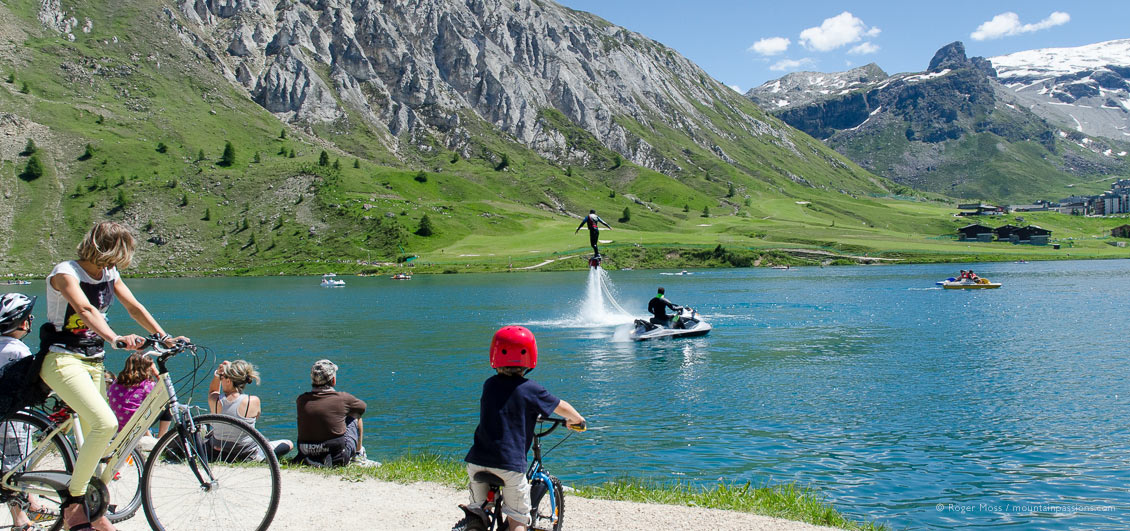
314	501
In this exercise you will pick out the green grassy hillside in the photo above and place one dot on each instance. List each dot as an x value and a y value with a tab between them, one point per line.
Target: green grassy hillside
131	124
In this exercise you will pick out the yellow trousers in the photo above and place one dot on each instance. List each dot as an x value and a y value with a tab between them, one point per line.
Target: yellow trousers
82	386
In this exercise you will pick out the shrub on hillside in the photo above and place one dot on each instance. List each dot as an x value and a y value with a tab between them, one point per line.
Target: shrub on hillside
88	153
33	170
626	217
421	177
161	147
29	149
426	228
228	158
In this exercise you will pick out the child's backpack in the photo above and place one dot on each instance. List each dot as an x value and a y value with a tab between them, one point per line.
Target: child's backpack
20	381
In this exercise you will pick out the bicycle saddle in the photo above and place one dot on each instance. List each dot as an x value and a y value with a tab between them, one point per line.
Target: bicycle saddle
489	479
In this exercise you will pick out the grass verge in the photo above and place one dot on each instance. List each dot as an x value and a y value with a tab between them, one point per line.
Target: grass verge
788	501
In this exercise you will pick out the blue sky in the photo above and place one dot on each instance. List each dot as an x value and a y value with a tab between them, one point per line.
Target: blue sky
824	36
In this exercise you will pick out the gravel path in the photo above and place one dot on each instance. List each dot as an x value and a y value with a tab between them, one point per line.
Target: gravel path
314	501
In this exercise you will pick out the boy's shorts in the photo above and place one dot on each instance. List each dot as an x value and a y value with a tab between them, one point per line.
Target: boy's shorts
515	494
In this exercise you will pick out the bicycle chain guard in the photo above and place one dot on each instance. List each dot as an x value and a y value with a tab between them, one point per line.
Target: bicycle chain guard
97	498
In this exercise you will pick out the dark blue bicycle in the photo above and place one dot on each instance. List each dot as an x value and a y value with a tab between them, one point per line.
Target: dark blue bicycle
547	497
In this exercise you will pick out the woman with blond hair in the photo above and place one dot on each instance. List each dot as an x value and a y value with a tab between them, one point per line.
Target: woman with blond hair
78	294
226	397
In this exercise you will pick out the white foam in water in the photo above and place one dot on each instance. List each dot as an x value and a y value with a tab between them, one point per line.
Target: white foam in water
598	308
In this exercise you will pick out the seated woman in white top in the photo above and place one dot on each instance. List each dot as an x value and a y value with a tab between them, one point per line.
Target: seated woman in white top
226	397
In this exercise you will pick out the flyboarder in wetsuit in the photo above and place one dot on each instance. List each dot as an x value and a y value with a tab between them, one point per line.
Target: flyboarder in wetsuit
591	220
658	308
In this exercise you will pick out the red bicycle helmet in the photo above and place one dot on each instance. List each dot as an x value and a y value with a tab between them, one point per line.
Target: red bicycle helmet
513	346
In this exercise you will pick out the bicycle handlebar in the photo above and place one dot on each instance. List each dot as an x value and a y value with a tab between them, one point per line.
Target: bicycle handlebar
555	422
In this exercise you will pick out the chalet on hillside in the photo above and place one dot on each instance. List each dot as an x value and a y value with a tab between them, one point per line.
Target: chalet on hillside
1122	231
1004	232
1031	234
975	232
979	209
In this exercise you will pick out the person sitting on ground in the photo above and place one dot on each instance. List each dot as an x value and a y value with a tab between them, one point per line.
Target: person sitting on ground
128	390
226	397
594	231
658	307
330	431
15	323
508	411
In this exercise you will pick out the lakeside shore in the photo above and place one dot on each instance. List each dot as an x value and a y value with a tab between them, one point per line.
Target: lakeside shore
346	500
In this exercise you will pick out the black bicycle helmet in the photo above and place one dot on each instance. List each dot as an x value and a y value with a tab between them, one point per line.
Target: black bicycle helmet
14	309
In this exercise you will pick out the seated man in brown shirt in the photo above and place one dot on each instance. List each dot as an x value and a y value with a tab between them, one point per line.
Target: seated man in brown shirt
329	421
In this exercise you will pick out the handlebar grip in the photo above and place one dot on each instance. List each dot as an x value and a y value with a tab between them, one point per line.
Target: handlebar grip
578	427
119	344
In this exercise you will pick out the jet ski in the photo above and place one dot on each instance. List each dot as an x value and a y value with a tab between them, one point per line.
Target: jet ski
685	324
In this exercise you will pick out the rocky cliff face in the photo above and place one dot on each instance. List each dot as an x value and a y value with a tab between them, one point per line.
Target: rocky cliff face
414	69
928	130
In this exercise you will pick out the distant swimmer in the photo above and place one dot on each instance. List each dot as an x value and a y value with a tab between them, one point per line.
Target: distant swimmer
591	220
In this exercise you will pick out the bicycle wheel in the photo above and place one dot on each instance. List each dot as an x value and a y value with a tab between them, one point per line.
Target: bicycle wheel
194	482
548	504
22	432
125	488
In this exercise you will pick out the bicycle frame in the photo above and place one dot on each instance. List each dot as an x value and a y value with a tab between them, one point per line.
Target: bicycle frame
163	396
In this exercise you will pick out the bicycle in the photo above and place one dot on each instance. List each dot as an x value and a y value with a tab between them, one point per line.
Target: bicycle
32	425
547	513
191	479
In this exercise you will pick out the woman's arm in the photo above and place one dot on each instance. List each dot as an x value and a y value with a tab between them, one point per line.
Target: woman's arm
214	390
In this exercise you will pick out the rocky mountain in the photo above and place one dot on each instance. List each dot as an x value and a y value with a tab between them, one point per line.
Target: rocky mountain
352	120
412	69
1084	89
954	129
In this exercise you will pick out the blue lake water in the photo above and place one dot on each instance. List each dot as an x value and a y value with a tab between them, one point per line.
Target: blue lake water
902	403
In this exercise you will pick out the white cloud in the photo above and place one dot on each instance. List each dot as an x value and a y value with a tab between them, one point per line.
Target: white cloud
790	64
735	88
771	46
835	32
864	48
1008	24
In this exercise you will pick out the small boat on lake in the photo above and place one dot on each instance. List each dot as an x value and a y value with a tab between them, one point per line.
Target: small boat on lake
329	282
981	283
402	276
18	282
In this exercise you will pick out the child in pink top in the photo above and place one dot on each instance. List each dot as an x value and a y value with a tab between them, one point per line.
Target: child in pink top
133	384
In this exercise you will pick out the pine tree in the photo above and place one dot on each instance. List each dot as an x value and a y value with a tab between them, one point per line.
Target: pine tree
207	215
24	89
228	158
626	217
617	161
337	165
455	157
291	154
357	163
324	159
88	154
425	227
705	211
11	77
200	155
161	147
282	150
257	160
282	134
30	148
504	164
686	207
731	192
184	200
33	170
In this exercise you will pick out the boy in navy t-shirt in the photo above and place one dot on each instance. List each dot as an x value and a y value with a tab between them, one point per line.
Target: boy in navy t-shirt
508	411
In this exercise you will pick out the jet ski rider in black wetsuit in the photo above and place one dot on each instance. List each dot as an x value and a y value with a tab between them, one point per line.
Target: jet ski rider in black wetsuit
658	308
591	220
